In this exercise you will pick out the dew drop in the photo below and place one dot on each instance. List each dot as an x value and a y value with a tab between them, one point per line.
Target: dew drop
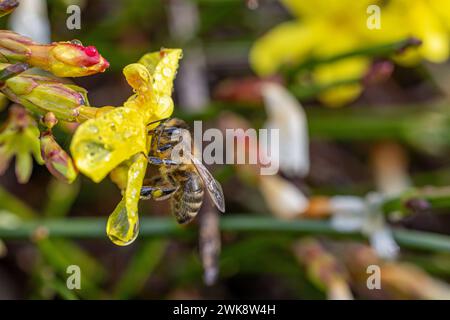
76	42
119	116
93	129
165	102
121	228
167	72
127	134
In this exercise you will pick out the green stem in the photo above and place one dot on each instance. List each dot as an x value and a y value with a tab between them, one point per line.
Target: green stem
362	124
305	92
164	227
379	50
431	198
357	126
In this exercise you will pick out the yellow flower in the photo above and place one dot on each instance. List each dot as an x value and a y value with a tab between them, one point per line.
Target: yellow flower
424	19
326	28
117	139
344	69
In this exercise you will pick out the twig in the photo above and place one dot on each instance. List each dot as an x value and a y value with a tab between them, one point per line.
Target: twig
165	227
379	50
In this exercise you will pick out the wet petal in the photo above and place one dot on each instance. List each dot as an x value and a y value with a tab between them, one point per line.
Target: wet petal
136	175
163	67
120	228
119	175
123	224
100	144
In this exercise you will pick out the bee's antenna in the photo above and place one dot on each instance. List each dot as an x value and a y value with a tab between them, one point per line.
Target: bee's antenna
156	121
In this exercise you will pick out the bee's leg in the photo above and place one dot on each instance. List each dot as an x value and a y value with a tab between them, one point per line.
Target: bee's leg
157	193
165	147
157	161
158	189
170	131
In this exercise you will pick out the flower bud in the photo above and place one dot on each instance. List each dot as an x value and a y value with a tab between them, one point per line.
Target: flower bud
19	138
63	59
49	120
7	6
58	162
323	269
42	94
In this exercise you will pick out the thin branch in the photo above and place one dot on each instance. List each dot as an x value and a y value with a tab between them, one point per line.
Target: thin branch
378	50
165	227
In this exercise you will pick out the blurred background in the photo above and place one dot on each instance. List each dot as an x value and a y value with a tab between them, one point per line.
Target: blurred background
360	93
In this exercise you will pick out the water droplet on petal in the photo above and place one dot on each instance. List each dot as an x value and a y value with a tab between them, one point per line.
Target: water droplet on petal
122	228
93	129
167	72
76	42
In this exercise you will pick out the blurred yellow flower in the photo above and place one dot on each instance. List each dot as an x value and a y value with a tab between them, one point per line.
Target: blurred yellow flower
424	19
116	139
347	69
326	28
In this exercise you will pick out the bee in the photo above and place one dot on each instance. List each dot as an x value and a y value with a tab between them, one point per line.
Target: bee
183	182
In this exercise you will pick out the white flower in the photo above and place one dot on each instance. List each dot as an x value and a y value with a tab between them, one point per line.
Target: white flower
348	212
352	213
30	19
286	114
283	198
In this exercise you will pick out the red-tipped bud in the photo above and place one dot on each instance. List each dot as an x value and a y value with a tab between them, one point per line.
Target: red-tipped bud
63	59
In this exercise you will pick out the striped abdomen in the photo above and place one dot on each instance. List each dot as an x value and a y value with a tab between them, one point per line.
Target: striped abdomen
187	200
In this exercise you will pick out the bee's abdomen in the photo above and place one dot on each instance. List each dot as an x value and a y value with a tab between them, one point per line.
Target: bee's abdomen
186	202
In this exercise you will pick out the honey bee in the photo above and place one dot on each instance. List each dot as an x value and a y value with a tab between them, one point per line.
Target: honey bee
183	182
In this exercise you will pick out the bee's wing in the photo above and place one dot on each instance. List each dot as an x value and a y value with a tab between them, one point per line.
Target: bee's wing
212	185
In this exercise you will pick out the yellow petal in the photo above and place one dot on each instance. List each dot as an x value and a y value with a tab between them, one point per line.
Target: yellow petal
426	25
425	20
136	175
441	9
120	228
353	68
340	70
287	43
100	144
163	67
152	80
139	78
315	9
123	224
340	95
119	175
